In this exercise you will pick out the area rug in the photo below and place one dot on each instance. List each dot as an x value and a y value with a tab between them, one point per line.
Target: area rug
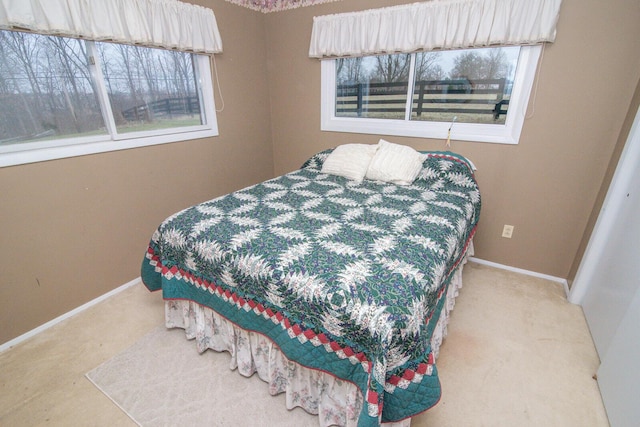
162	380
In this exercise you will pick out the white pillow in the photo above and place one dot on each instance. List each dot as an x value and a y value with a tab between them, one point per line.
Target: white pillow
350	161
395	163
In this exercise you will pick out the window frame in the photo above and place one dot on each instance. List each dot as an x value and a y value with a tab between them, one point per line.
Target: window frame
38	151
508	133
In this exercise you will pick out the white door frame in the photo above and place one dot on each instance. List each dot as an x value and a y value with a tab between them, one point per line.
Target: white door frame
617	193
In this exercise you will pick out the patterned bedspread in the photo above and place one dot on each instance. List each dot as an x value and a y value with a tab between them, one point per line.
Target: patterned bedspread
346	278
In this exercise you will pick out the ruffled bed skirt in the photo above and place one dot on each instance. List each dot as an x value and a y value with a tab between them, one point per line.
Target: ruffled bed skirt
335	401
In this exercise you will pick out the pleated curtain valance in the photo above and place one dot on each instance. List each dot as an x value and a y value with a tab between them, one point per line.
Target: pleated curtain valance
168	24
437	24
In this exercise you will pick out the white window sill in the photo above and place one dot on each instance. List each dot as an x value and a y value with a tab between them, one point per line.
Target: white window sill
18	154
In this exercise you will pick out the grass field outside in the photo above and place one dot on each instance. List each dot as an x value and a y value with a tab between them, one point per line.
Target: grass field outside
128	127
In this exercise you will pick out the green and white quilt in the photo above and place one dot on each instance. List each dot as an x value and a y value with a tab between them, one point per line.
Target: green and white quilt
343	277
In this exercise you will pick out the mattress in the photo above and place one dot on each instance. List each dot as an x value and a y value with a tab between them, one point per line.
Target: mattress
344	278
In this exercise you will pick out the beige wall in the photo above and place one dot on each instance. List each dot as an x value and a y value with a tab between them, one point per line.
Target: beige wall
545	186
73	229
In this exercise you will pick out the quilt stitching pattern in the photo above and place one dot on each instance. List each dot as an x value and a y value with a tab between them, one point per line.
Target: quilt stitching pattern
357	269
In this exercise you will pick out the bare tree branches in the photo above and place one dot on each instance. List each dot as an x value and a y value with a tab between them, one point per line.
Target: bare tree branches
48	89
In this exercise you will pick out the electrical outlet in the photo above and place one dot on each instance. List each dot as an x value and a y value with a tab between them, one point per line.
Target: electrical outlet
507	231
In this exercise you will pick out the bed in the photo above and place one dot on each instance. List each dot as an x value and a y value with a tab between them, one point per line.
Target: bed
334	289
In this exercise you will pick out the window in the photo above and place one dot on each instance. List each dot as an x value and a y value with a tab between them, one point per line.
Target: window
62	97
481	94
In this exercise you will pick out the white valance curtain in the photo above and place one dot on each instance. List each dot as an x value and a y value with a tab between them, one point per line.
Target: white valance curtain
436	24
169	24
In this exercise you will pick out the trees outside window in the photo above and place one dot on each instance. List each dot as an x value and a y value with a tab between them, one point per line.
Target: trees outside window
58	91
482	90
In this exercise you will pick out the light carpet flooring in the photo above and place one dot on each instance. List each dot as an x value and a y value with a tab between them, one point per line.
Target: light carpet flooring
517	354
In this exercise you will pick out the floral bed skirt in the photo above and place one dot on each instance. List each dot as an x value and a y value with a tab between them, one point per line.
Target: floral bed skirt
335	401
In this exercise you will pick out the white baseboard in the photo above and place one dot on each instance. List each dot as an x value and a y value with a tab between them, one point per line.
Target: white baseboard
563	282
65	316
135	281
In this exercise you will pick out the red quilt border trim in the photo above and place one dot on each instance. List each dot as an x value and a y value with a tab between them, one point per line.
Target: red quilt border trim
295	331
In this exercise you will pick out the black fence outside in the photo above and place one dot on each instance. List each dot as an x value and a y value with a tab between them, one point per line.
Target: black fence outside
486	96
167	107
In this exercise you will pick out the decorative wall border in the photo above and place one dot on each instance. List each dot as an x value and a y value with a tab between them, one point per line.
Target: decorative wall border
266	6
